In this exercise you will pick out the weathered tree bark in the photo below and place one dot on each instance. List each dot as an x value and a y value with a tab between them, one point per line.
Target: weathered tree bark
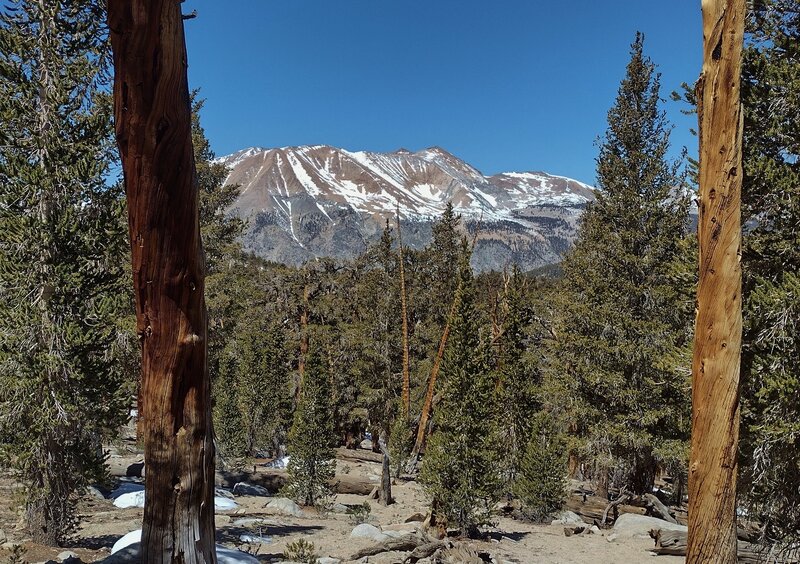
718	327
406	397
153	125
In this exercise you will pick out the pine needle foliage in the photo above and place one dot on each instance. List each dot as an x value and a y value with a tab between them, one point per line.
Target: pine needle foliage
311	459
252	391
619	368
61	255
460	469
516	379
770	477
542	481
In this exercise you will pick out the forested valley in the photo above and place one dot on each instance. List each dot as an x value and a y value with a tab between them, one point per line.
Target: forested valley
562	395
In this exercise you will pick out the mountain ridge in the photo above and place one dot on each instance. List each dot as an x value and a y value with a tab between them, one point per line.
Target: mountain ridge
317	200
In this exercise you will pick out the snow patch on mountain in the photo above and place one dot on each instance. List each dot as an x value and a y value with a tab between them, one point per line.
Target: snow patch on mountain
330	201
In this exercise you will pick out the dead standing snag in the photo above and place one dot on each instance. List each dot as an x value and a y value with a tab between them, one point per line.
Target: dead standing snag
152	112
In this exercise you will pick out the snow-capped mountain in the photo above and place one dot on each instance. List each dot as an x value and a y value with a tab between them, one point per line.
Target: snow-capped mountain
304	202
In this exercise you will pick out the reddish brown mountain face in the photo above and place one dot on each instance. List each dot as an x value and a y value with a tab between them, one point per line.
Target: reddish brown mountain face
305	202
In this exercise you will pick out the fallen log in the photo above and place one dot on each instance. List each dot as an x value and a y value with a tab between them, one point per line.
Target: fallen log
592	509
125	466
358	455
654	504
403	544
344	484
623	497
425	551
674	543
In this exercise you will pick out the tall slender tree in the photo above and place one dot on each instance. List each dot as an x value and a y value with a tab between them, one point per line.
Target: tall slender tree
516	379
618	371
718	327
152	110
311	463
61	280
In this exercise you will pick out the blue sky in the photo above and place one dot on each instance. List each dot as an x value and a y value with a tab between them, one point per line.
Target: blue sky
507	85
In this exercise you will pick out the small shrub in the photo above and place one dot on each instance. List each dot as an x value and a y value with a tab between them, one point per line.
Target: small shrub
359	513
300	551
17	555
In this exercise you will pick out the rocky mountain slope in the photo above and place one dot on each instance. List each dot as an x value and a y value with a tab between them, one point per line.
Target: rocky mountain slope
311	201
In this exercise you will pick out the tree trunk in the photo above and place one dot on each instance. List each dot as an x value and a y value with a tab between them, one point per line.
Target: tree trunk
385	494
153	126
406	398
718	327
422	430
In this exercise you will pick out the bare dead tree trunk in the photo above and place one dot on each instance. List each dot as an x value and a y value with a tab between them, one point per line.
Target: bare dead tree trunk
385	492
422	430
406	398
718	328
153	125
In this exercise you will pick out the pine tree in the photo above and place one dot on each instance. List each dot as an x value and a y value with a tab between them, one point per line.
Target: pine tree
619	366
771	269
219	229
460	471
311	459
61	257
441	269
516	379
376	316
542	481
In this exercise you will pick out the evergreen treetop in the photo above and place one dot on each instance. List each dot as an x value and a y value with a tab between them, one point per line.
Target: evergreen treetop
619	364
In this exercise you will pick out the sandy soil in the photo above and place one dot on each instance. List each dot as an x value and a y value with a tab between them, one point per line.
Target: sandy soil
101	524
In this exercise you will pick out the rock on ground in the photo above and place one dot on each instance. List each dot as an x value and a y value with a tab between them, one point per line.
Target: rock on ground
367	531
567	518
631	525
284	506
243	488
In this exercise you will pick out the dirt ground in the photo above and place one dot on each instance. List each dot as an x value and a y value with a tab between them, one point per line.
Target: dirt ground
102	524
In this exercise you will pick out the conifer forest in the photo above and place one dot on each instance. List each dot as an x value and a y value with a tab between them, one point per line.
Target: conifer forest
169	395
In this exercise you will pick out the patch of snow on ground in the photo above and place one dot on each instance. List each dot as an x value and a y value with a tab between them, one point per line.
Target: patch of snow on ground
130	499
427	191
224	504
279	463
126	488
136	499
224	555
131	538
363	158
